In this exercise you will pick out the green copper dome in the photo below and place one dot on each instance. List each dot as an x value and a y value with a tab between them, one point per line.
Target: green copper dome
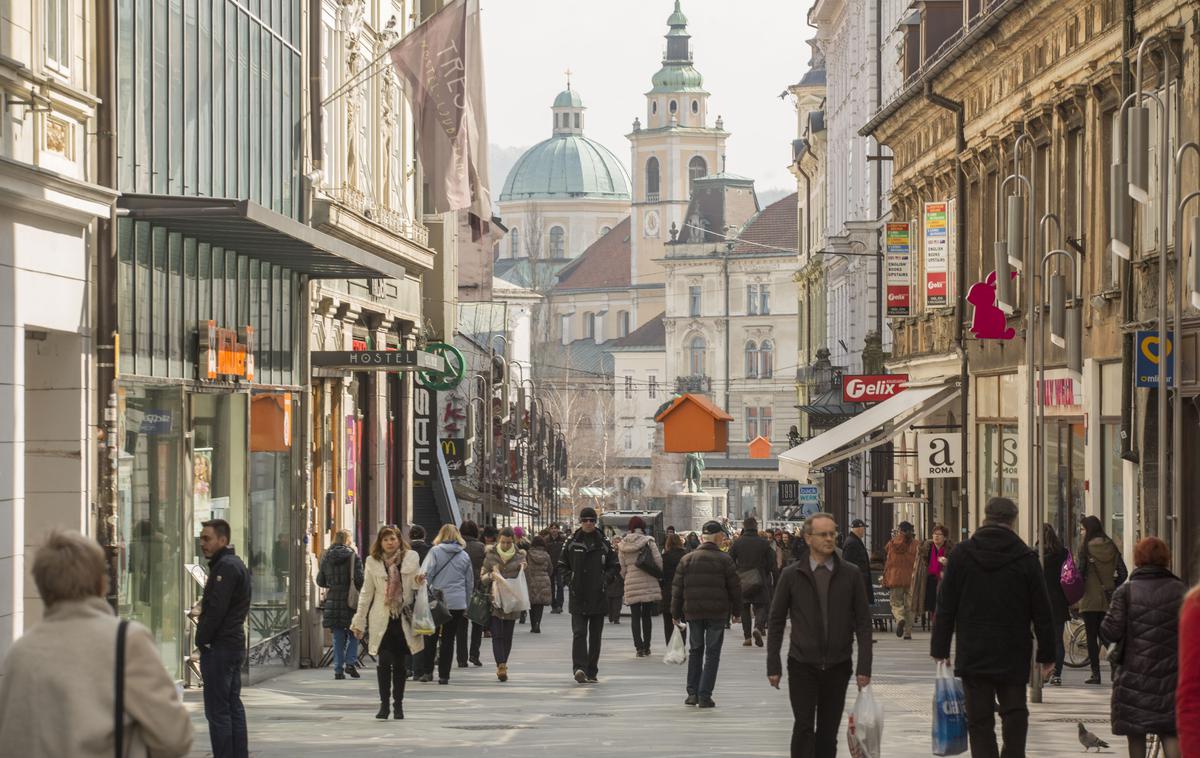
677	78
567	166
568	98
677	18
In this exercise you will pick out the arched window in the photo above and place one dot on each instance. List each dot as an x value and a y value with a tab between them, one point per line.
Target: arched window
514	242
697	168
652	176
653	107
766	360
697	355
695	106
673	106
558	242
751	360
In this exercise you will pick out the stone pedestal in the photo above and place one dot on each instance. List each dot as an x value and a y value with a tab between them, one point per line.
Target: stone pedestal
687	511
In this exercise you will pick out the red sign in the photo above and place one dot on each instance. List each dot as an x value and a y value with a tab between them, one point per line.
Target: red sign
899	299
935	284
871	388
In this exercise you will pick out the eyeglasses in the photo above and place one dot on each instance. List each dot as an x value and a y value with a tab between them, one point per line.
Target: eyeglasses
588	520
825	535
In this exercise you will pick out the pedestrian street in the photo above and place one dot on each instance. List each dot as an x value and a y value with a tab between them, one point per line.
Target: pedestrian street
636	708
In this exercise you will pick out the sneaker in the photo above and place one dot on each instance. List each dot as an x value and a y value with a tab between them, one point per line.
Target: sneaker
758	638
747	642
691	700
338	675
900	628
352	672
908	636
580	676
425	678
707	702
1056	681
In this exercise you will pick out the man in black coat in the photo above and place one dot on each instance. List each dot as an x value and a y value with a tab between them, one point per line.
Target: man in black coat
587	561
705	590
755	562
221	637
992	592
855	551
340	566
554	546
469	641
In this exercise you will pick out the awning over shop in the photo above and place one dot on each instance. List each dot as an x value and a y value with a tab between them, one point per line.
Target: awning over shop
877	425
260	233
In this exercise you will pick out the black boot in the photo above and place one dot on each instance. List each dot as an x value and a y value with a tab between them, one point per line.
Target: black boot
398	693
383	673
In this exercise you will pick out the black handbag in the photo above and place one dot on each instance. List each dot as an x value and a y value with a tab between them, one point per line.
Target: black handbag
751	581
119	692
645	561
437	600
479	609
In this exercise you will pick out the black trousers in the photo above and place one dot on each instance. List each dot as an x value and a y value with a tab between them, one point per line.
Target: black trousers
754	616
643	624
502	638
586	632
446	636
393	663
476	641
535	617
982	697
461	637
817	695
614	609
1091	627
669	625
556	581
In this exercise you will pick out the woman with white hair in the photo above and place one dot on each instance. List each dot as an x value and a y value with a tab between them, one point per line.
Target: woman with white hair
449	570
58	684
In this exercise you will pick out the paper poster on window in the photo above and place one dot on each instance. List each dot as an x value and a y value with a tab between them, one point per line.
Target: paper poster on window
899	269
937	255
202	478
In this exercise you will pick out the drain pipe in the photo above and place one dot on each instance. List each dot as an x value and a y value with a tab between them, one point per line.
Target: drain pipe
960	236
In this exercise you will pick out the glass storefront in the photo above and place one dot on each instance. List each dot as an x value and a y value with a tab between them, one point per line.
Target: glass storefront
1064	477
997	443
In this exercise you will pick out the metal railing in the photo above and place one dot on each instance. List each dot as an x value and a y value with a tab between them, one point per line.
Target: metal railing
702	384
389	218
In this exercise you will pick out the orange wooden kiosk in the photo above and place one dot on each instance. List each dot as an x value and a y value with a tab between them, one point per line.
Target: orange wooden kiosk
692	424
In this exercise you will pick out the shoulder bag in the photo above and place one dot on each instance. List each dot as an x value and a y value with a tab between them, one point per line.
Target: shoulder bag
1071	580
119	686
437	600
351	590
751	580
645	561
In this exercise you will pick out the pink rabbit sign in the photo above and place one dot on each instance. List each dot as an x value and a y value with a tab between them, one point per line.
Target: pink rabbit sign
988	322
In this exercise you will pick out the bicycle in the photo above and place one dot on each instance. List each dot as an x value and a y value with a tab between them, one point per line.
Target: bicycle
1075	644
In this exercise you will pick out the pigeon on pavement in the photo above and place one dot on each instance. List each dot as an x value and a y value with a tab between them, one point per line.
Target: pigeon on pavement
1089	740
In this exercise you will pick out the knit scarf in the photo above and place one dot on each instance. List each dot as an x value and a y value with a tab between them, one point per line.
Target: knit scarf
506	555
394	584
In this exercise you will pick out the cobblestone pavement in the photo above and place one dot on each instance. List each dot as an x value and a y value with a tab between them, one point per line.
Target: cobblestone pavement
637	706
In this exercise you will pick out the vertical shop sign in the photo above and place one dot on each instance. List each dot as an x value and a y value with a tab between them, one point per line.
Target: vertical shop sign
937	255
351	460
425	462
899	269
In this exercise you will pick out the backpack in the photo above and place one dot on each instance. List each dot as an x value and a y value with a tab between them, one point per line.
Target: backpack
1071	580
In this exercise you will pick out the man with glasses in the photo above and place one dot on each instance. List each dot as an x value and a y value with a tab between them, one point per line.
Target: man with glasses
826	601
587	560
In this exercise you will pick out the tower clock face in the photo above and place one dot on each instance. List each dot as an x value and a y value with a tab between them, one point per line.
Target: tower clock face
650	224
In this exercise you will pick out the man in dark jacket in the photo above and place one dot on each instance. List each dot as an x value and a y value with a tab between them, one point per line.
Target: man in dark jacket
704	593
755	562
221	637
587	561
339	567
826	601
554	546
475	549
855	551
416	538
992	592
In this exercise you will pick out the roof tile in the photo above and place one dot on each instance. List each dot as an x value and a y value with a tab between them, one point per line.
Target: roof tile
775	228
604	264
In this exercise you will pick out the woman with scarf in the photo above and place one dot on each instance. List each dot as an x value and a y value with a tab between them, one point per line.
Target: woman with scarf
928	573
502	559
384	613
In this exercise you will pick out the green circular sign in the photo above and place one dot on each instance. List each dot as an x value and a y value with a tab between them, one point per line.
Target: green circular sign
456	367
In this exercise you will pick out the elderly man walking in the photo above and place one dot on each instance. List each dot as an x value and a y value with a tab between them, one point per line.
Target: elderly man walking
826	601
704	592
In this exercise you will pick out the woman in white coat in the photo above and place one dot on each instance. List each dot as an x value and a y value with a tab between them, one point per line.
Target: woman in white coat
384	613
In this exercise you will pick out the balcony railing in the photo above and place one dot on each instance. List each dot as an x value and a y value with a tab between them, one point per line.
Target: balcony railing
652	197
389	218
697	384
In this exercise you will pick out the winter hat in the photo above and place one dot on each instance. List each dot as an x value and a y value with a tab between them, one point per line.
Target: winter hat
712	527
588	512
907	527
518	532
637	523
856	523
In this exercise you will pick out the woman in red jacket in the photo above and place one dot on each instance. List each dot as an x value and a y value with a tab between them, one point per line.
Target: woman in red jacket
1187	694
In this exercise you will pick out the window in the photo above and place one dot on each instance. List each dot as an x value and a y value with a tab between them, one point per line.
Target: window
623	323
629	388
695	106
764	422
514	243
752	299
577	122
751	360
653	385
654	107
697	168
764	299
766	360
652	177
558	242
751	423
694	300
58	34
565	327
673	106
697	356
758	422
589	325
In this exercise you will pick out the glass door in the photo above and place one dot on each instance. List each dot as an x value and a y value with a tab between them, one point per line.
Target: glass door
1064	477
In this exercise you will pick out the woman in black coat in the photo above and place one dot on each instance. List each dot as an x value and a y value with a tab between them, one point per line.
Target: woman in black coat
672	552
1054	556
1144	619
340	566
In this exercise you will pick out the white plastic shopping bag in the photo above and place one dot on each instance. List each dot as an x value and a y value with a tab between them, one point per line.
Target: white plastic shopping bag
865	733
512	595
422	617
676	649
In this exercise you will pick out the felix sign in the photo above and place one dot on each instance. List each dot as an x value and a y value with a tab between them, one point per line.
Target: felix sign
871	388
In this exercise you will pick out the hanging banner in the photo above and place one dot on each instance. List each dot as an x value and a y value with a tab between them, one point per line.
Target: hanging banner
937	255
899	269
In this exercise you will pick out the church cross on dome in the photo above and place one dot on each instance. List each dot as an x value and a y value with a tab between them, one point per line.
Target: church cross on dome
568	72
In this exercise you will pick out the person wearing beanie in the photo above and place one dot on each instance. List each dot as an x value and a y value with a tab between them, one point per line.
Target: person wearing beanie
756	567
642	590
902	552
586	563
705	591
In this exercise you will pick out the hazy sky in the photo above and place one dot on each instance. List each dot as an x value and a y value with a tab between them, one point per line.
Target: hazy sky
748	52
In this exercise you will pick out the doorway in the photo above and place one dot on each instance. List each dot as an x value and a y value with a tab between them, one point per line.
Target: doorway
1064	476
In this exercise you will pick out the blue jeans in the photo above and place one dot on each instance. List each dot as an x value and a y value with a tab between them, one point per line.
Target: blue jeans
345	649
221	669
704	655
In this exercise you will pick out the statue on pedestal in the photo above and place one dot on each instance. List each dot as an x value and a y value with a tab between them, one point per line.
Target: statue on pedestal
693	470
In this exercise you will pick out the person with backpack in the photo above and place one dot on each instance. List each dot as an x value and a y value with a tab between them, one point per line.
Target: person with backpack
340	570
642	568
1103	571
755	562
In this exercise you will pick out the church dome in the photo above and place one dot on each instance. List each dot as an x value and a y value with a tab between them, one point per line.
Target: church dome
567	166
568	98
677	78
